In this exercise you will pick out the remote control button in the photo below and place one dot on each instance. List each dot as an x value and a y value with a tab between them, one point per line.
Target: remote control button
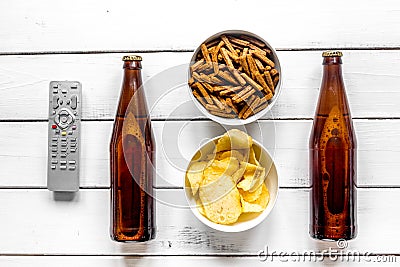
53	149
73	139
72	162
75	113
63	139
53	112
69	119
63	162
73	144
74	101
53	126
55	85
68	102
64	113
74	126
72	168
55	91
64	119
61	102
54	161
64	91
54	155
64	149
64	144
73	149
57	131
64	155
63	167
54	144
54	139
74	86
64	133
55	101
53	167
70	132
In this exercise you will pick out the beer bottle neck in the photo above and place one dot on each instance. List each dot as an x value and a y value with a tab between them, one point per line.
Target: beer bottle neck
132	85
132	76
332	91
332	70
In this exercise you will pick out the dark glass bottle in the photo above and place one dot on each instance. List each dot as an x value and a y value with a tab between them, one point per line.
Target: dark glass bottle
333	158
132	158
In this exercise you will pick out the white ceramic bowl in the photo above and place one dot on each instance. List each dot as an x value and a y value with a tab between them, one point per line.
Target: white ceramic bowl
246	220
237	121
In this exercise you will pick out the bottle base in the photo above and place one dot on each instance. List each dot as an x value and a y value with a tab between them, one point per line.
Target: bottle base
150	234
333	233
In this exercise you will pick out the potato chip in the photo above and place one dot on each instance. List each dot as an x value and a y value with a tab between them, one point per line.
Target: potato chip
252	177
234	139
230	153
238	175
200	208
258	205
212	189
252	157
226	166
251	196
225	210
195	175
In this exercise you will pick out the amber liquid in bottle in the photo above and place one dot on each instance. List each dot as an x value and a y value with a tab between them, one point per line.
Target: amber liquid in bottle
333	159
132	158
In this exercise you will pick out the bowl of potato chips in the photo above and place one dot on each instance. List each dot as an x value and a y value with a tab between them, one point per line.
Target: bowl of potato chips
231	183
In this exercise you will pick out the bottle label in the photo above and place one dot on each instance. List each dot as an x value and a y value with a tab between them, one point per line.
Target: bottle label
335	171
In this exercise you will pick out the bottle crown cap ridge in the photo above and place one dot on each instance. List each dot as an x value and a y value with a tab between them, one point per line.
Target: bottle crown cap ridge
132	58
332	54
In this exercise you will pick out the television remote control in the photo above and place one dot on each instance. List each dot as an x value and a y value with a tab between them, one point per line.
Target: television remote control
65	99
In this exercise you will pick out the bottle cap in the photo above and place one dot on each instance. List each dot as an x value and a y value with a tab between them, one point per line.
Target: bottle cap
132	58
332	54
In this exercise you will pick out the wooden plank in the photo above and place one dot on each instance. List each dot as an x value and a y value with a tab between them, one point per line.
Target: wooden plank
34	223
371	78
103	25
24	163
194	261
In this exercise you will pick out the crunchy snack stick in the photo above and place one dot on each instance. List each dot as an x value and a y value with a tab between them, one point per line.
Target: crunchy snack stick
252	82
227	77
276	80
228	45
261	80
222	114
214	57
206	55
204	93
251	108
198	97
269	81
264	59
273	72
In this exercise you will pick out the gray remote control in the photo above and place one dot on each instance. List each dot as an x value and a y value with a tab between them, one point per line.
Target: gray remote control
64	136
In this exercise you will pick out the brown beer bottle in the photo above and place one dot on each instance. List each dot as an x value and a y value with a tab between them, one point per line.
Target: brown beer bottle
132	158
333	158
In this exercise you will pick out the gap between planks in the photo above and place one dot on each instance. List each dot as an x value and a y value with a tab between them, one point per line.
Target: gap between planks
202	119
188	50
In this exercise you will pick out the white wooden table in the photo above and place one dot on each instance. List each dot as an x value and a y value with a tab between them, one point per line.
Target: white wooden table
43	40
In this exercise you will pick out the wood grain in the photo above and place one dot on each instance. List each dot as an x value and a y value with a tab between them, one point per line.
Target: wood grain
371	78
34	223
155	25
23	164
194	261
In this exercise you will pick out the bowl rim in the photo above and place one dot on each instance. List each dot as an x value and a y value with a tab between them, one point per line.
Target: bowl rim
237	121
231	228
